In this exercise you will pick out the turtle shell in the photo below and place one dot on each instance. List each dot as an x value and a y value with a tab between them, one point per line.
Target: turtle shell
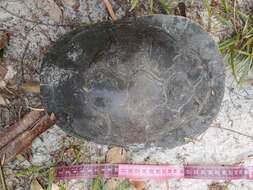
152	80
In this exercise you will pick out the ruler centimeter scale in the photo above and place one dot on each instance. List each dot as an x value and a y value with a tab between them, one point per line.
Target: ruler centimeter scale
156	172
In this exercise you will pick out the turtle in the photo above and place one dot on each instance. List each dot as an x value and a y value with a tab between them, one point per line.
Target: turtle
151	80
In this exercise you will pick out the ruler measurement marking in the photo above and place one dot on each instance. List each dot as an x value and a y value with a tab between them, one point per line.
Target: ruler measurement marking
154	171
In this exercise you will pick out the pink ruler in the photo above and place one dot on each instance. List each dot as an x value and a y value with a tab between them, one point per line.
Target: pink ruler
156	172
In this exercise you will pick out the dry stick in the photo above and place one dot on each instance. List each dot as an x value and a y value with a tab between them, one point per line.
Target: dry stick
2	178
110	10
16	129
24	140
234	131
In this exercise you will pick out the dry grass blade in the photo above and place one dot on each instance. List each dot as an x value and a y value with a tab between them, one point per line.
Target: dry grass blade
239	47
35	185
110	9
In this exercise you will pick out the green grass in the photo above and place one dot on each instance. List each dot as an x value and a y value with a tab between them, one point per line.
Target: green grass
33	170
166	6
238	48
51	177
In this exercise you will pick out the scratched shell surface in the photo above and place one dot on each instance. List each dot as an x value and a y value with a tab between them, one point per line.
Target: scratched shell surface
152	80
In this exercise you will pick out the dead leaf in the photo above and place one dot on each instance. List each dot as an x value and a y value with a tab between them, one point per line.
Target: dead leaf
31	87
199	19
138	185
4	39
216	186
22	159
2	84
249	81
182	9
11	72
3	72
55	187
75	4
53	10
35	185
116	155
3	101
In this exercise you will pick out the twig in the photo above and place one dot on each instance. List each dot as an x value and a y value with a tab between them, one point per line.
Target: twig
2	178
110	10
27	121
36	109
233	131
24	140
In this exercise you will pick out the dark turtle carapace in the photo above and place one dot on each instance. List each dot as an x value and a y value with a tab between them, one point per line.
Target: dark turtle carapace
152	80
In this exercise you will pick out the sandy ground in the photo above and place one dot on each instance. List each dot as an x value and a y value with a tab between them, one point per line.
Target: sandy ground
35	24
